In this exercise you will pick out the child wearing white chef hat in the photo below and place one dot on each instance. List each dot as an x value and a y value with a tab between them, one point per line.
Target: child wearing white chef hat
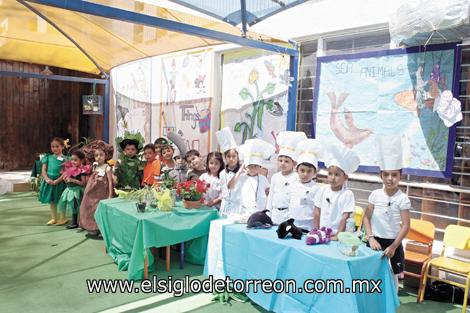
228	146
387	218
334	202
278	203
302	192
250	186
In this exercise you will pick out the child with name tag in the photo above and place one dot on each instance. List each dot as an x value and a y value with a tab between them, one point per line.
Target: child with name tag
99	187
52	184
277	202
387	218
335	202
302	192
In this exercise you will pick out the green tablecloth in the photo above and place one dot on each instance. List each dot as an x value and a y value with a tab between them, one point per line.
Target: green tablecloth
128	234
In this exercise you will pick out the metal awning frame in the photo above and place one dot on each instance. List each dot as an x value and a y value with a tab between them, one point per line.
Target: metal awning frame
109	12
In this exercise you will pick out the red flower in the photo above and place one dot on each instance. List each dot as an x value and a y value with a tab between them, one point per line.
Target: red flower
192	190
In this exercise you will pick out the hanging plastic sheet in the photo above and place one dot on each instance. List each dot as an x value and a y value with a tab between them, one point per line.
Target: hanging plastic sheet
432	21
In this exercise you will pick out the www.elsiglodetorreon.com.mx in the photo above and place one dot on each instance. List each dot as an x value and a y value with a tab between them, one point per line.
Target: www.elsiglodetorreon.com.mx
180	286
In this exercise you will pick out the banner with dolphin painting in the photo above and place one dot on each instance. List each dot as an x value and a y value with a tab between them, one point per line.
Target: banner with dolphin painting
359	97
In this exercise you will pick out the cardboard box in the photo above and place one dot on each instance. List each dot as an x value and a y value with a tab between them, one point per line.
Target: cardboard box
417	247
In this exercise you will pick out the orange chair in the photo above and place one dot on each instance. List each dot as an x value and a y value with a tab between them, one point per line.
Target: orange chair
419	248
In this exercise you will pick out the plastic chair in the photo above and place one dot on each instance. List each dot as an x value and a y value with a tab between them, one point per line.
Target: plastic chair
454	237
419	248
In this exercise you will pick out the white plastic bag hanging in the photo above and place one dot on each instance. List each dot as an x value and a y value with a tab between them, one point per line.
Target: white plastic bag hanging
448	108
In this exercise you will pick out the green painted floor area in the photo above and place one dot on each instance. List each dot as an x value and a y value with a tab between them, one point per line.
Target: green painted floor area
45	268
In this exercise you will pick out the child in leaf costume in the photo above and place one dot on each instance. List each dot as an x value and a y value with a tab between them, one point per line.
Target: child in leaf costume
129	172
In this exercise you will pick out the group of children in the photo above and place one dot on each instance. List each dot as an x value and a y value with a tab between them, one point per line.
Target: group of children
75	184
293	192
237	186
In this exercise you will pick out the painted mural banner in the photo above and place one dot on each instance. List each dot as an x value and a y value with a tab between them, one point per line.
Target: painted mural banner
254	94
359	97
132	84
185	98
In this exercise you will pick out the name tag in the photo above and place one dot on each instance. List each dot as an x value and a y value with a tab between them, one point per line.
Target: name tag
101	174
60	158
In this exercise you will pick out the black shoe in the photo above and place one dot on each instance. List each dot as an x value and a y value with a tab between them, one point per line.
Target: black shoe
71	226
92	235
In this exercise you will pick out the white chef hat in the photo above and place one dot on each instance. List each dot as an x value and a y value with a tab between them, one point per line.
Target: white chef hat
448	108
225	139
287	141
256	151
389	152
308	151
343	158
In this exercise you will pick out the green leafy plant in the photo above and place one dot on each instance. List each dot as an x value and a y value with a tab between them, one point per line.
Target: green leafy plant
255	118
168	182
146	194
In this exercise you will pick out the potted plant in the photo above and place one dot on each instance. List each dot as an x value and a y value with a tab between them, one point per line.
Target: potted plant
144	196
192	193
141	205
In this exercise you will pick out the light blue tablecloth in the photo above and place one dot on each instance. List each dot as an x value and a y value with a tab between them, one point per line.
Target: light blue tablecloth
259	254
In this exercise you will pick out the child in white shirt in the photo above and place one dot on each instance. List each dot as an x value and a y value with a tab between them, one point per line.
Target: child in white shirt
214	165
334	203
228	204
302	192
251	187
387	218
277	202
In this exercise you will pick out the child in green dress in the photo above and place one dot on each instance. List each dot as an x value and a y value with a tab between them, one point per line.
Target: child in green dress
52	186
74	174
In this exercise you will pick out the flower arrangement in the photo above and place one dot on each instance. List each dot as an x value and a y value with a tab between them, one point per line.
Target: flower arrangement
192	190
69	170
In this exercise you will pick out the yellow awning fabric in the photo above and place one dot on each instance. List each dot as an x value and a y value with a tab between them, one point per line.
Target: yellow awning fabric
26	37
